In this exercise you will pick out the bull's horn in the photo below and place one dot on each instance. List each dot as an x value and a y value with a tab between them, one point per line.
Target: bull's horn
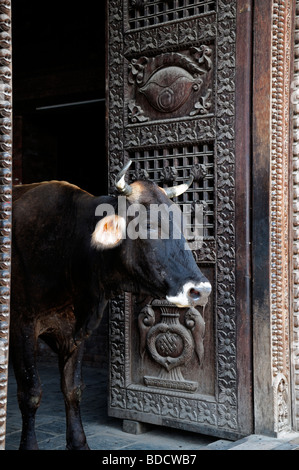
120	183
175	191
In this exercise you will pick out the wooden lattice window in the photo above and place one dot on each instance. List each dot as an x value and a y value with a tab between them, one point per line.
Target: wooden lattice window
151	12
173	165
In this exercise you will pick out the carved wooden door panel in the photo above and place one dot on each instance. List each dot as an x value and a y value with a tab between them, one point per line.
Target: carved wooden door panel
174	109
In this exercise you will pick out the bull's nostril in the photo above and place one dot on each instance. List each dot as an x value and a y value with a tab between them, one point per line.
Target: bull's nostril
194	294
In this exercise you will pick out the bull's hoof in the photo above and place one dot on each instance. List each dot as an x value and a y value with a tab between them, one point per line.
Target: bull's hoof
83	447
28	444
29	447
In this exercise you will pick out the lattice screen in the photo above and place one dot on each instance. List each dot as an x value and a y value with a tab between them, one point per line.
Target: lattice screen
147	13
170	164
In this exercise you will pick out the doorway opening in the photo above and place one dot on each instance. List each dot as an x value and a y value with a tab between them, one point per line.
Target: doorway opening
59	93
59	103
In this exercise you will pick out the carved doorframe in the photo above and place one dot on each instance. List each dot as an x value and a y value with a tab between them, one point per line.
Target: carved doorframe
270	176
135	42
5	201
294	222
272	216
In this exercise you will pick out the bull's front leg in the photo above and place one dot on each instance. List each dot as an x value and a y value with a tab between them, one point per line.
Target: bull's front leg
70	363
72	387
23	352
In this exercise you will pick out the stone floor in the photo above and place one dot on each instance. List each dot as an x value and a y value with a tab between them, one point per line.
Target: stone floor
105	433
102	432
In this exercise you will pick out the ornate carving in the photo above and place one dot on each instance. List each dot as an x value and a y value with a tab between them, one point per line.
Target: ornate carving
154	146
282	403
295	191
169	174
137	70
137	4
171	345
169	88
5	202
199	171
136	114
140	174
203	105
279	191
168	80
146	319
189	32
196	325
170	132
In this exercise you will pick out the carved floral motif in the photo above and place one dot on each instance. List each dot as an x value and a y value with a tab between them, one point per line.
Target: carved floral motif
136	114
188	32
154	135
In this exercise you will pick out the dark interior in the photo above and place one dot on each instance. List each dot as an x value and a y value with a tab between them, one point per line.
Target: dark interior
59	93
59	104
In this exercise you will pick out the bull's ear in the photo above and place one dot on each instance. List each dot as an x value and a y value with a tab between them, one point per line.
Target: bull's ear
109	232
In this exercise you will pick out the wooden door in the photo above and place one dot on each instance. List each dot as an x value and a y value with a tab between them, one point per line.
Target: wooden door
179	103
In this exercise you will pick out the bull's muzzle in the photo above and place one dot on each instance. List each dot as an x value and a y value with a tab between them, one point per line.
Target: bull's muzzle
192	294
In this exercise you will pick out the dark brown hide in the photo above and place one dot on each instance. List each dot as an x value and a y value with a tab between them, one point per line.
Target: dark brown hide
61	284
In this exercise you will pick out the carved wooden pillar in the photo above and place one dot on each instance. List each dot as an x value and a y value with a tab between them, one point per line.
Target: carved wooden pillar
295	222
5	200
271	198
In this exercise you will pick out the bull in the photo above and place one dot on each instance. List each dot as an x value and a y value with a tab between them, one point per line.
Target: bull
67	263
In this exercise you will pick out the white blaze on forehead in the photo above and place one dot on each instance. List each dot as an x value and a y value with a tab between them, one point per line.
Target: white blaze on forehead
182	299
137	190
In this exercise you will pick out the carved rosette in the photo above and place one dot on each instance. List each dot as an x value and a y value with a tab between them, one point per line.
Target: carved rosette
5	201
139	121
